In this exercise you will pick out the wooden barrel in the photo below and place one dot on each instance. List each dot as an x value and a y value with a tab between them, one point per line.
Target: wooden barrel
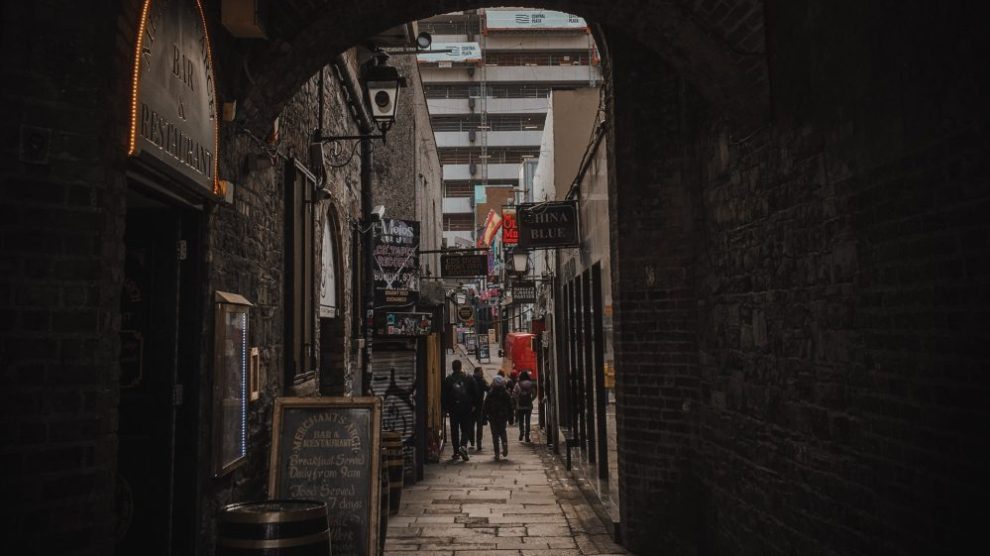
274	527
392	442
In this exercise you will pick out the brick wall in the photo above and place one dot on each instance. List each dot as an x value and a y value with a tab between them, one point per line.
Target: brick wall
797	358
60	236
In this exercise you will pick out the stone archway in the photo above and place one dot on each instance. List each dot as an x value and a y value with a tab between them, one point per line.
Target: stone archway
719	47
715	54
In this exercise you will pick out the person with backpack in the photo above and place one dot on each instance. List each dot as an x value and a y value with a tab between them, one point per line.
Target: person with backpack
457	398
523	393
498	411
510	387
481	388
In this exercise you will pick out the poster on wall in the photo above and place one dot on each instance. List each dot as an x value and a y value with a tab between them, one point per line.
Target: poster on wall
406	324
396	261
394	382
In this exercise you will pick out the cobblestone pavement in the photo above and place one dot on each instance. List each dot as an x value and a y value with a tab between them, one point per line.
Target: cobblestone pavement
525	505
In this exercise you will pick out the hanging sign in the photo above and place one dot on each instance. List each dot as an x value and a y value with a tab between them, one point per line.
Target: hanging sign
524	292
510	229
173	120
548	225
396	263
465	313
463	266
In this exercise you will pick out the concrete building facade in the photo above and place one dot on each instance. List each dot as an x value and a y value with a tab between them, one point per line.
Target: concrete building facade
488	100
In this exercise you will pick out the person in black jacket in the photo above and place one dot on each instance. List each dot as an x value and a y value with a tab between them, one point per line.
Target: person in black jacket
498	411
523	394
481	388
458	398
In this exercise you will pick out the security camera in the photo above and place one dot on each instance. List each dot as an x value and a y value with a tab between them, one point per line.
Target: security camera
378	212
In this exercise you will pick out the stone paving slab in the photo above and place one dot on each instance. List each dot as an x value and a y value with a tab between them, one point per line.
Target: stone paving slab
522	506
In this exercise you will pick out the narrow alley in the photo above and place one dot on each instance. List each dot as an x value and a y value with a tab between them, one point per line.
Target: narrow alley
523	505
741	248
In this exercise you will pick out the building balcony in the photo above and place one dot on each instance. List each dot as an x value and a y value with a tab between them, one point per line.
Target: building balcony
462	172
513	74
446	107
494	138
457	205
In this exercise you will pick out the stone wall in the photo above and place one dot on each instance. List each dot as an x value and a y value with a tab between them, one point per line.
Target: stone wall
407	177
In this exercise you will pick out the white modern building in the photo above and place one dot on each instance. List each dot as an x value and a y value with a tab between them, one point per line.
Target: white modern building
487	91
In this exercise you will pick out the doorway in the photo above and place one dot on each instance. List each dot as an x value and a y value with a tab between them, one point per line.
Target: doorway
156	497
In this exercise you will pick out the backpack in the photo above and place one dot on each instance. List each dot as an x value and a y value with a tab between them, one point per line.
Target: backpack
525	397
460	397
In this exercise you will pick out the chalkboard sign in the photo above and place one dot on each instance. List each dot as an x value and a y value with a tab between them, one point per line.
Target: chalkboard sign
327	449
483	348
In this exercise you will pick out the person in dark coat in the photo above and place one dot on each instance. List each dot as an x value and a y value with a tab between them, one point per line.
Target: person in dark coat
510	387
458	398
498	411
523	394
481	389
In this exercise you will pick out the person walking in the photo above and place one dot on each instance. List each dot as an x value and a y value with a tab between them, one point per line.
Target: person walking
498	411
481	389
457	398
510	387
523	394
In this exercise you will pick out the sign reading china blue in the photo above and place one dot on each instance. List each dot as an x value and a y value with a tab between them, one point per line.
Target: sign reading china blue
548	225
174	108
396	263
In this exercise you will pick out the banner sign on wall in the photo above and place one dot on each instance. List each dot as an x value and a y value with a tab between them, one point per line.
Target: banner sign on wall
532	19
407	324
548	225
396	263
459	52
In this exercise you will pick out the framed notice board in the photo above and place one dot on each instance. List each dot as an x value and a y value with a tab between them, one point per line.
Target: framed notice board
328	449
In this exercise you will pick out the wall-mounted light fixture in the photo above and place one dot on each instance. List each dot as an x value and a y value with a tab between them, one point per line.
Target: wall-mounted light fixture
381	89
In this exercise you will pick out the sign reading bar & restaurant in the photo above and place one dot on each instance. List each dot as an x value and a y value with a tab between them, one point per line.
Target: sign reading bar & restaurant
328	449
173	104
548	225
463	266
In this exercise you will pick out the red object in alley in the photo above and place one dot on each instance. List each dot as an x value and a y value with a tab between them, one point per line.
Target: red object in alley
518	353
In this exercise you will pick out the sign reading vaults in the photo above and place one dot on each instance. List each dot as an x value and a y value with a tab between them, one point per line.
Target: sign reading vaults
173	97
